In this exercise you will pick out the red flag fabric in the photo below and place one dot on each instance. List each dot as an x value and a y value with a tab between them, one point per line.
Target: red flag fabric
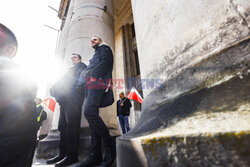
134	94
50	103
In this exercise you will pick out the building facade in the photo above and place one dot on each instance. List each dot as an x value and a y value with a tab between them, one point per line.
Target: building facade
190	62
113	21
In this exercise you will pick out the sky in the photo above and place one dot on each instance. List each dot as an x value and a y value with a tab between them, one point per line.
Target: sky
36	42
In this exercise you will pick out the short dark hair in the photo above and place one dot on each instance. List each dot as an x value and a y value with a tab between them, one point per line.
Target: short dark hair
7	37
122	93
80	57
98	37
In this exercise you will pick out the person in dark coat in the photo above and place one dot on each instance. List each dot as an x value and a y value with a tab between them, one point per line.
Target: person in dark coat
18	127
123	111
41	114
96	79
70	100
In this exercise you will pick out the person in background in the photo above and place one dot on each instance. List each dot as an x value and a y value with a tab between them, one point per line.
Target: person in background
123	111
41	114
70	100
18	124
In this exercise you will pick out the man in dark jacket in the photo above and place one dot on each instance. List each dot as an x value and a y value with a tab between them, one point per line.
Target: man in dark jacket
123	111
18	127
99	74
70	100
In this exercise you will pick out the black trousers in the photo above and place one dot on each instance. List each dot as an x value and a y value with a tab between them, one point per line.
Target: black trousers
99	130
69	126
17	151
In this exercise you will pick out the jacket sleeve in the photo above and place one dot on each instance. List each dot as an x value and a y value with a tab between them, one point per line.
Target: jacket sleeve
117	107
103	66
130	105
44	116
78	74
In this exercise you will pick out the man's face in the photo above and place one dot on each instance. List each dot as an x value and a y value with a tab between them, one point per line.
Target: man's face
121	96
75	59
95	41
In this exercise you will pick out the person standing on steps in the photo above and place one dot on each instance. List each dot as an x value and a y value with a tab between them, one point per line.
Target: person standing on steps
70	100
99	69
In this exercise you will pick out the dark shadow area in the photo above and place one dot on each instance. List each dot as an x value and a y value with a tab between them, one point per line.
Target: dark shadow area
128	155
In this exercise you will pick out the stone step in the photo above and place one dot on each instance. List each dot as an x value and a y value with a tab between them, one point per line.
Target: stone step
42	162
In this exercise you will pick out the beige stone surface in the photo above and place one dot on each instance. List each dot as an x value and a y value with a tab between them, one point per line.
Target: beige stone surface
173	35
119	62
243	8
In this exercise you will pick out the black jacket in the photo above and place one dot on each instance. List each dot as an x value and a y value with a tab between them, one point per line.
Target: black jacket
100	67
17	106
66	88
125	109
40	112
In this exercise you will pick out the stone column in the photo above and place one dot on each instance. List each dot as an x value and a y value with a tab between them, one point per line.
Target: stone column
92	17
200	114
85	19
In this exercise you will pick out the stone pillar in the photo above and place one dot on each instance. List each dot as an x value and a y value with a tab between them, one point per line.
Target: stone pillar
85	19
92	17
200	114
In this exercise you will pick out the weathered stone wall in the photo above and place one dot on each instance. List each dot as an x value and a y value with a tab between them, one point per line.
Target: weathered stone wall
174	35
200	116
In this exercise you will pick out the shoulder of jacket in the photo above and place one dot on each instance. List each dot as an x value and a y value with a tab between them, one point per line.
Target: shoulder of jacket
83	65
104	46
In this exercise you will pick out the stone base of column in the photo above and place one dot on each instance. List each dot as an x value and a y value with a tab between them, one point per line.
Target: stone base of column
208	126
49	147
221	149
191	136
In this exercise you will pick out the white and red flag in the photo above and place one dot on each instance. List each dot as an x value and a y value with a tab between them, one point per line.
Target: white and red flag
134	94
50	103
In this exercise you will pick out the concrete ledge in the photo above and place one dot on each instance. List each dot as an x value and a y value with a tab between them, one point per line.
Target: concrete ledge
220	149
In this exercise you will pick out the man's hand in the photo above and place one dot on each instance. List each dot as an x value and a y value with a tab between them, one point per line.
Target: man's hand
122	105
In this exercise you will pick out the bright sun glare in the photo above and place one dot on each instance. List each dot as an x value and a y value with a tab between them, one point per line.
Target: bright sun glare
36	42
